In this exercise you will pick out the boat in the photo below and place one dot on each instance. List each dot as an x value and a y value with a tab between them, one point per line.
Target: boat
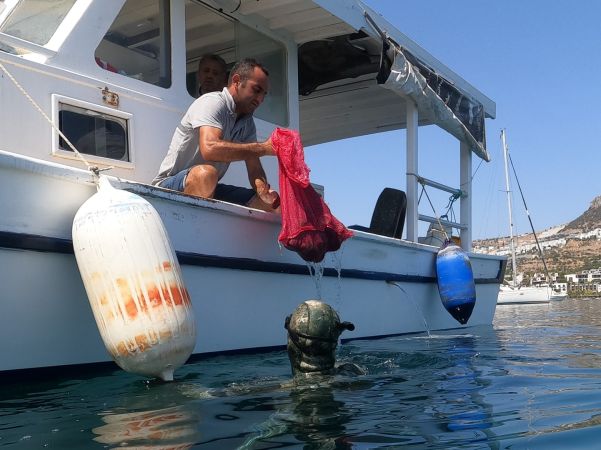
524	295
529	294
557	295
115	78
513	292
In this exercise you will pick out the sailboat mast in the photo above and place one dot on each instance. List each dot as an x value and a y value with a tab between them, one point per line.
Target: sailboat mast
508	192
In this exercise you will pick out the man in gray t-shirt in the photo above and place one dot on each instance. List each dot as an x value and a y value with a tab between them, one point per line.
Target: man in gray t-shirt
217	129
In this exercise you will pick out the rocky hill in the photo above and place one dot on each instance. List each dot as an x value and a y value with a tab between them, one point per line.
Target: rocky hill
589	220
567	248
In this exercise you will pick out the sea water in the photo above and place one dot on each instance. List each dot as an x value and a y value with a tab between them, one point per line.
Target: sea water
532	380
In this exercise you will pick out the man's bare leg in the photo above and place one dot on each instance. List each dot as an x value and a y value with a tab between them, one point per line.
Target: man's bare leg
201	181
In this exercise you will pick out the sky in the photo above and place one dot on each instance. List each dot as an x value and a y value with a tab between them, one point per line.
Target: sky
540	62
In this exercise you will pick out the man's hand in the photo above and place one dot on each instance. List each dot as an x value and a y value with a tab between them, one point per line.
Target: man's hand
266	194
268	148
269	196
273	199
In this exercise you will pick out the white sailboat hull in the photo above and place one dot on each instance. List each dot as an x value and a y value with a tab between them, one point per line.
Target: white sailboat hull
242	283
525	294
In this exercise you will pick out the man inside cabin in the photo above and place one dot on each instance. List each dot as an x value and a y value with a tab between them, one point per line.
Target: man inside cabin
217	129
212	74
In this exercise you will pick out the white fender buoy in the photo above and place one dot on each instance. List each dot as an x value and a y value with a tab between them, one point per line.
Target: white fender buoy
134	282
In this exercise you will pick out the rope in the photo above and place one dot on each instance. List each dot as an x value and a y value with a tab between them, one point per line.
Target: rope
419	199
449	206
540	249
476	171
94	169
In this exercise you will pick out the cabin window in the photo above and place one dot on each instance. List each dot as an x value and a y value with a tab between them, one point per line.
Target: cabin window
210	32
138	45
93	133
34	21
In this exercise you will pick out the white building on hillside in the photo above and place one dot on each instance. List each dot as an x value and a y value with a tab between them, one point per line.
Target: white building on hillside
587	280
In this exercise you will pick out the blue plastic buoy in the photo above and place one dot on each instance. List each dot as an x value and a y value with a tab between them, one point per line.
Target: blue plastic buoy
456	282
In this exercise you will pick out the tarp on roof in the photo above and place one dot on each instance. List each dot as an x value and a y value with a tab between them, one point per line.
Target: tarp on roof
447	105
452	110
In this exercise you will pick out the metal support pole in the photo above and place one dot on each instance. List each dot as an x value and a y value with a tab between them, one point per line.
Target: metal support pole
465	204
164	43
412	185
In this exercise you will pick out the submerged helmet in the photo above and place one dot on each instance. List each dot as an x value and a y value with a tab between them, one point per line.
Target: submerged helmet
313	331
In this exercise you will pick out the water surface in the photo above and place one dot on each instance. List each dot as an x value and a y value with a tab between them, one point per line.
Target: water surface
532	380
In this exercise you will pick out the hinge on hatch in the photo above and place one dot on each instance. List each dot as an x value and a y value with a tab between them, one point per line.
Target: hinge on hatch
110	98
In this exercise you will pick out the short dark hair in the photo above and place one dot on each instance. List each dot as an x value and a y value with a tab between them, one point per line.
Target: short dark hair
212	57
245	68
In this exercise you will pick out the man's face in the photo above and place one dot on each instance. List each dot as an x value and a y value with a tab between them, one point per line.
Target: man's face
250	94
211	76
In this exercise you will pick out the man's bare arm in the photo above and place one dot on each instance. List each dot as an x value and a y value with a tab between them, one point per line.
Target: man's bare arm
214	148
256	175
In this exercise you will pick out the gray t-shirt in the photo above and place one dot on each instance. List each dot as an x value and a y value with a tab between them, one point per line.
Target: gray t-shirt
215	109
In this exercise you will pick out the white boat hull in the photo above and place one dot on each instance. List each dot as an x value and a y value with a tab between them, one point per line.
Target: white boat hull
242	283
525	294
558	296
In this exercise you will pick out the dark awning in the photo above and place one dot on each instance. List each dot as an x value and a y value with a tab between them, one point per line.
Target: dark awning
449	108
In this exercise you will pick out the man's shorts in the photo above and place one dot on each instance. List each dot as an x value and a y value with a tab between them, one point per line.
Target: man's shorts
223	192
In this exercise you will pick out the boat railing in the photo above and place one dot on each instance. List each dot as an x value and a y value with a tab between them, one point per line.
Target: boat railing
444	223
457	193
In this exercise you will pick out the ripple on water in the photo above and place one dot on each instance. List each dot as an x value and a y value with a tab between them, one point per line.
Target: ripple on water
533	380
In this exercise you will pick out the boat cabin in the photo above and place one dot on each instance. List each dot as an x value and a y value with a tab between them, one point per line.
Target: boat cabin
116	77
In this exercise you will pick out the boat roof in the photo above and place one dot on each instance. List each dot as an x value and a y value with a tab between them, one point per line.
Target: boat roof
341	47
354	106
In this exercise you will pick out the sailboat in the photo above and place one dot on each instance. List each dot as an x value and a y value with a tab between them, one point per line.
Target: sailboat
513	292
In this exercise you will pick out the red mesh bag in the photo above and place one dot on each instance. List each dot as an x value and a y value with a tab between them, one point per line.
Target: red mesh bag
308	226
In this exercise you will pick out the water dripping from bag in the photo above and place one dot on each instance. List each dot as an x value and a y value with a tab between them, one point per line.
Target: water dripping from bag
337	265
316	272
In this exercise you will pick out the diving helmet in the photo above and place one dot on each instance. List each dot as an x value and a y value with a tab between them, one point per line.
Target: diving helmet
313	331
